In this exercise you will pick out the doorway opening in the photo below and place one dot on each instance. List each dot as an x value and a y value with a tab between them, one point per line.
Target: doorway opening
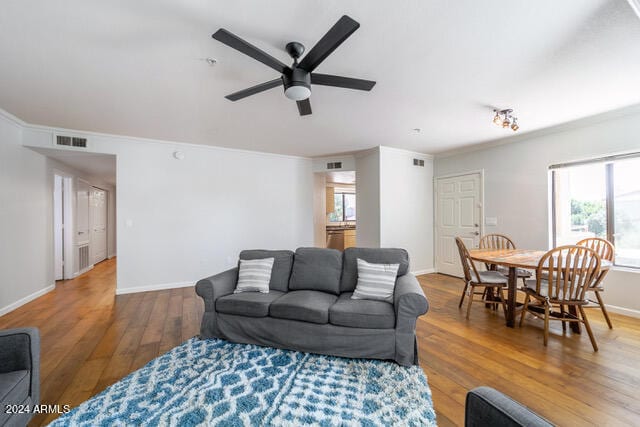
335	214
83	189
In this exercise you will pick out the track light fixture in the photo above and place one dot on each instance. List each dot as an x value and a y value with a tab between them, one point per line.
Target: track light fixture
506	119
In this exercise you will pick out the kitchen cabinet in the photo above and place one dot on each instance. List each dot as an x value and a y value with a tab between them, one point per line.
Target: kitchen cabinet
349	238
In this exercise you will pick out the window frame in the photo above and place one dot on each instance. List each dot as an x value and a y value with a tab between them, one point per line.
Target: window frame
609	163
343	208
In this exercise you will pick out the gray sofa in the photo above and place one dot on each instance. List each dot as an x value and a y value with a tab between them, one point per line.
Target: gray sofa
19	375
309	306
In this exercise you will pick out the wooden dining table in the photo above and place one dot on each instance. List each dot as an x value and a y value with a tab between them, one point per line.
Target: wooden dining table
514	259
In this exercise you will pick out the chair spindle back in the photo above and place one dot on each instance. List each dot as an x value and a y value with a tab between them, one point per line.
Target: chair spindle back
571	270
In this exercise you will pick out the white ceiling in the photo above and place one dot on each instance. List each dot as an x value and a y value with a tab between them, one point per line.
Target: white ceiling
134	68
101	167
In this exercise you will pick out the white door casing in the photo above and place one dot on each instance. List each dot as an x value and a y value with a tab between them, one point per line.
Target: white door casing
58	228
458	214
98	229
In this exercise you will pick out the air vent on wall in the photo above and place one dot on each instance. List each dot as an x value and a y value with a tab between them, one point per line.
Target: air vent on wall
63	140
334	165
418	162
79	142
71	141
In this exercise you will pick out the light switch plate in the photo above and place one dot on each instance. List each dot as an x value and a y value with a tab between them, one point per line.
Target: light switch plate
491	220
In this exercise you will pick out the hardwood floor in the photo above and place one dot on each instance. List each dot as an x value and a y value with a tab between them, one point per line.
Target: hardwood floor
91	338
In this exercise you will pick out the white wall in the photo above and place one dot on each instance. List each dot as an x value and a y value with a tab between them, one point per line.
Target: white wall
368	199
516	184
181	220
406	205
26	258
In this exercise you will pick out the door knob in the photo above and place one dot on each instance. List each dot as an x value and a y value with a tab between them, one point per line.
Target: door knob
476	233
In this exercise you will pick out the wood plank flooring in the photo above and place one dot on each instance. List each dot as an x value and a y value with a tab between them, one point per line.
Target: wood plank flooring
92	338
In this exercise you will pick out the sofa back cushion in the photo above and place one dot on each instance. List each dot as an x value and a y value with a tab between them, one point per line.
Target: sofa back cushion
283	260
372	255
316	269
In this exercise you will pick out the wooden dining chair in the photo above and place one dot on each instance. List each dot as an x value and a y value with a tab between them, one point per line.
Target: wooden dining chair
571	271
500	241
605	249
473	278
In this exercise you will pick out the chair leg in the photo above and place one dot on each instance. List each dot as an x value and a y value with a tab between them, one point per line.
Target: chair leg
604	310
524	308
588	328
546	324
504	303
562	312
464	292
470	301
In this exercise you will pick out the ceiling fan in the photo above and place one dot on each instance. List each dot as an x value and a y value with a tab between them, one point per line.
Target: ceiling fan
298	78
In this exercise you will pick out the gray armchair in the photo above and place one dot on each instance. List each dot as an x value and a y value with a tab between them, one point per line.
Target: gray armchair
19	375
486	406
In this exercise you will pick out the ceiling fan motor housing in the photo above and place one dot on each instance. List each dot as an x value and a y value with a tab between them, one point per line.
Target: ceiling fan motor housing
297	77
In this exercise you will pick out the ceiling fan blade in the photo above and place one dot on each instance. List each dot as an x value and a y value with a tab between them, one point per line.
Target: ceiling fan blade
255	89
237	43
304	107
329	42
339	81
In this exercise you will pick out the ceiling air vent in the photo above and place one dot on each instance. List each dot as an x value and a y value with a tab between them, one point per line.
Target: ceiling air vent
418	162
63	140
334	165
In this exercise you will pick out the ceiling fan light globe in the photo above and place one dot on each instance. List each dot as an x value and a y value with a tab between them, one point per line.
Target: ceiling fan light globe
515	127
497	120
297	92
506	123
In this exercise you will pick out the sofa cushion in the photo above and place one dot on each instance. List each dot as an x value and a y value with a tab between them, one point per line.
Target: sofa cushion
316	269
281	266
251	304
307	306
362	313
372	255
14	387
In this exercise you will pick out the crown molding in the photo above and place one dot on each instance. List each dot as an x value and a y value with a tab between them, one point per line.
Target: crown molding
57	130
551	130
11	118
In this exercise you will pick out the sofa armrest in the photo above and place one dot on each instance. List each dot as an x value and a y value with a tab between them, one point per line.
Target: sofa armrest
216	286
409	302
486	406
20	350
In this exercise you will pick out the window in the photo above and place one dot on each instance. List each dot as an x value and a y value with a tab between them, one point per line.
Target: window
599	199
344	207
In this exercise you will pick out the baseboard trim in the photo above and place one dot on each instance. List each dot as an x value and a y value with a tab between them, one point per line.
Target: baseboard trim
28	298
425	271
149	288
623	310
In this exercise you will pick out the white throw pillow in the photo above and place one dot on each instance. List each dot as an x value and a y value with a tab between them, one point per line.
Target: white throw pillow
254	275
375	281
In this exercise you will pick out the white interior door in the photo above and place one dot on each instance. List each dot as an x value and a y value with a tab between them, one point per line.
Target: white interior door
58	228
458	213
98	215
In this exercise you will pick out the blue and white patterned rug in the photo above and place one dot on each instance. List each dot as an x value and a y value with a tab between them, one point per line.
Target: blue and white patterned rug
215	382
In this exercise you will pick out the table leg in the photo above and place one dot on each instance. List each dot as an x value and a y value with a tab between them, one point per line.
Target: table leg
511	297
